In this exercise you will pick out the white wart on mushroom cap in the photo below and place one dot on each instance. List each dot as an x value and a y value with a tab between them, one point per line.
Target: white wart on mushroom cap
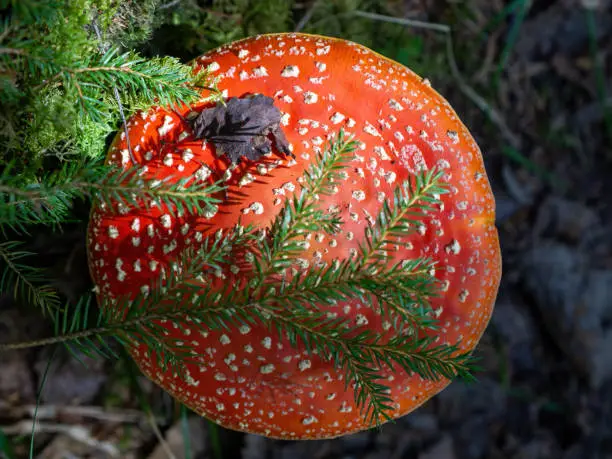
250	379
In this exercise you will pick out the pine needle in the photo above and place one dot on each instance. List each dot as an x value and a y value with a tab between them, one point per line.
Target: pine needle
24	281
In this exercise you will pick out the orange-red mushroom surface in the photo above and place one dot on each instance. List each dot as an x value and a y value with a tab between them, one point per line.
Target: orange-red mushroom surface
250	379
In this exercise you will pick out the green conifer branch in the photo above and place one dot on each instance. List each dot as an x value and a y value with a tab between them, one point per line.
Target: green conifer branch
141	81
50	199
301	214
293	306
23	280
360	353
412	201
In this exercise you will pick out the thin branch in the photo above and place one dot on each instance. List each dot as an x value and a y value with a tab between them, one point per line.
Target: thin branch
100	413
403	21
168	5
92	332
17	52
307	16
160	437
79	433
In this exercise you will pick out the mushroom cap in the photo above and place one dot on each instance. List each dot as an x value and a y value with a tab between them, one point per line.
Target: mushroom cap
251	379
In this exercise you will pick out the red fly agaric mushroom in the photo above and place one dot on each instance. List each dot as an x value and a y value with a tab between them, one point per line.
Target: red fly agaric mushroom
293	92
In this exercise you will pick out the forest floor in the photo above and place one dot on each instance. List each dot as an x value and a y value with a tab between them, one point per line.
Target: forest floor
546	388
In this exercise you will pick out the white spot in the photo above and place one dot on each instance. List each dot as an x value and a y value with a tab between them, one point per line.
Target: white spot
166	127
267	342
267	369
323	50
361	320
257	208
321	66
170	247
168	160
310	97
243	53
125	157
260	71
203	173
395	105
137	266
462	205
345	408
443	164
309	420
187	155
213	67
246	179
224	339
382	153
370	129
337	118
453	248
290	71
317	80
304	365
453	135
166	221
359	195
390	177
113	232
302	263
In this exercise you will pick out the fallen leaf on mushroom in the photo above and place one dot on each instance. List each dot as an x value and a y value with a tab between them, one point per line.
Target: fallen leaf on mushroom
410	197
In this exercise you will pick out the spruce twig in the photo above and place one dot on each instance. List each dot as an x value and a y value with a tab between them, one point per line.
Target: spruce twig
300	214
23	280
50	199
294	307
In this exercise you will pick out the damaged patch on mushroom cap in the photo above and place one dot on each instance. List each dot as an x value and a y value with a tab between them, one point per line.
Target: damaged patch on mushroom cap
249	379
